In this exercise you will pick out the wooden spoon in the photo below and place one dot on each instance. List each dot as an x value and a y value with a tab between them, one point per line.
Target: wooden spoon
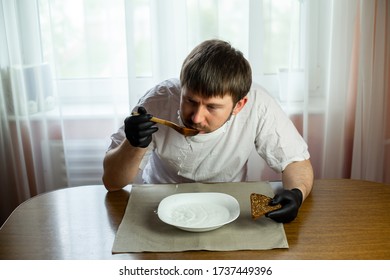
181	129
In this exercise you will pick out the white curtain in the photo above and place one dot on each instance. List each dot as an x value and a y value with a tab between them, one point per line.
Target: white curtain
63	92
26	96
357	90
71	69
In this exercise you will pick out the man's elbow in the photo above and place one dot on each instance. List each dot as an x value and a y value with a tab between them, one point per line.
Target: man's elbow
110	185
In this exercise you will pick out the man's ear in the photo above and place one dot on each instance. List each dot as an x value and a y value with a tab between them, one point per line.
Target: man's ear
239	105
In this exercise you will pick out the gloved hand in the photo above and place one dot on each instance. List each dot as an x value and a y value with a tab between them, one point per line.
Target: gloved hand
291	200
139	128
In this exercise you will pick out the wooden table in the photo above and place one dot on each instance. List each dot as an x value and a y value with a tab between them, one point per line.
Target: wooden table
341	219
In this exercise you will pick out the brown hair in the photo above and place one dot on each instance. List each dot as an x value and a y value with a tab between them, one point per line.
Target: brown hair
214	68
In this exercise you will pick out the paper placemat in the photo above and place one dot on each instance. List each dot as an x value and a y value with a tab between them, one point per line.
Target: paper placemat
142	231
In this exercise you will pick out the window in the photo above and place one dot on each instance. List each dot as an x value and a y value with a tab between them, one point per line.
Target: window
85	39
271	34
283	35
85	43
141	42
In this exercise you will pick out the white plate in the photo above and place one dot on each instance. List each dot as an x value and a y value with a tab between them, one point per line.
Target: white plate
198	211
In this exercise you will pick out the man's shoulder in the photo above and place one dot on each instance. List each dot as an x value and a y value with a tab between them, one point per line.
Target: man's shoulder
261	99
162	97
167	88
259	92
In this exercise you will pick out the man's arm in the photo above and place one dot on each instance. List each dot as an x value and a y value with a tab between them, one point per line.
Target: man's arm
299	175
121	165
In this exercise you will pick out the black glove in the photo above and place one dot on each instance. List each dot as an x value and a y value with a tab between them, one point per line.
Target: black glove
291	200
139	128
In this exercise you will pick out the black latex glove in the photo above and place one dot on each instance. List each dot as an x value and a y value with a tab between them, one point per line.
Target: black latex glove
291	200
139	128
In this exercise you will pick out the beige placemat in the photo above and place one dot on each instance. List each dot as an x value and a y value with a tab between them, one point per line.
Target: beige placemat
142	231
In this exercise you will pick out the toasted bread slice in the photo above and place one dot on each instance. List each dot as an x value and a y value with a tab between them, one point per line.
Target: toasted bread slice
260	205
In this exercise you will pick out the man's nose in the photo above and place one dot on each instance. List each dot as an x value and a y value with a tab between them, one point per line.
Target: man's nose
198	116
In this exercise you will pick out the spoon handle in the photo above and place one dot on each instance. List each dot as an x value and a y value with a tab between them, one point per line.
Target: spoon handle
182	130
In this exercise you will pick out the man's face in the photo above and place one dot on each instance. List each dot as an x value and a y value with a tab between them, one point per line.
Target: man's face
207	114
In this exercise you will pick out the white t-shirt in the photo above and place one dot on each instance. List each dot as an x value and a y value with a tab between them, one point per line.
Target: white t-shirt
222	155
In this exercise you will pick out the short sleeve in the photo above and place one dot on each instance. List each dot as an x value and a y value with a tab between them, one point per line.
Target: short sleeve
278	141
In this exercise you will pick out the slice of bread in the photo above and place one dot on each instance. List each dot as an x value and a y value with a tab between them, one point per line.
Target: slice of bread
260	205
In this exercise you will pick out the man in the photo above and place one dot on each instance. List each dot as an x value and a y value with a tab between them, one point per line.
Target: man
214	96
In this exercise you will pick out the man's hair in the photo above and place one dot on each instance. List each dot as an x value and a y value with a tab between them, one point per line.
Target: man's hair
214	68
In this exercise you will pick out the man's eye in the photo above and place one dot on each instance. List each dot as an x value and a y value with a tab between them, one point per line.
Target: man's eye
211	108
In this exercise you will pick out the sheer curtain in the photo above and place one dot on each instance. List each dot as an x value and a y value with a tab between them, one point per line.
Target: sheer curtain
357	91
26	96
342	106
70	71
63	91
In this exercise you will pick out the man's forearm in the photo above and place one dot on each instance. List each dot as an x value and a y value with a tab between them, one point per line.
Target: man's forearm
121	165
299	175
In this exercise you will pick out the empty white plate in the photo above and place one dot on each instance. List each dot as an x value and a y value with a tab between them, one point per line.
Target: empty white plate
198	211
